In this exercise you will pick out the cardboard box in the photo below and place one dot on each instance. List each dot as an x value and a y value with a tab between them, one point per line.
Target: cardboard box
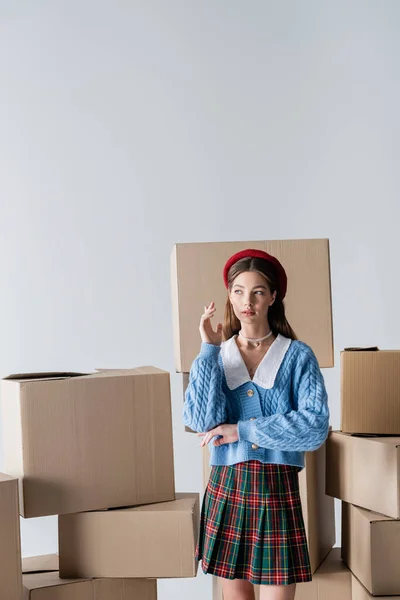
318	508
157	540
370	392
364	471
44	583
10	544
371	549
358	592
331	581
89	442
125	589
196	280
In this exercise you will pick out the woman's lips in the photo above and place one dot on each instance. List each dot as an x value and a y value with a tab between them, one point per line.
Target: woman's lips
248	313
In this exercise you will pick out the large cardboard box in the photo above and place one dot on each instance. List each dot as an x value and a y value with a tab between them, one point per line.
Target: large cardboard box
81	443
10	544
331	581
370	392
196	280
156	540
364	471
44	583
358	592
371	549
318	508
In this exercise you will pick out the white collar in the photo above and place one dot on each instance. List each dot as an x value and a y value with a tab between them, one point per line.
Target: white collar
236	372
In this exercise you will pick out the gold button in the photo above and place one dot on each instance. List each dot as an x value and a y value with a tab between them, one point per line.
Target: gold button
254	446
250	393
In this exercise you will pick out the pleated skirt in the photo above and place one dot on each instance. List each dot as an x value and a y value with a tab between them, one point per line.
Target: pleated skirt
251	525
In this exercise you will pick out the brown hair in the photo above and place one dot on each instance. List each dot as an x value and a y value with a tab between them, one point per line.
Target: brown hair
276	313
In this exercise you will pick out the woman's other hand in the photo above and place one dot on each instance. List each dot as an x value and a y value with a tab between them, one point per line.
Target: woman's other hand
207	333
229	435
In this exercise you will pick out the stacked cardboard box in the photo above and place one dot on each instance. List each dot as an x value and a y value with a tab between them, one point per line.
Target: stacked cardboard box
97	451
42	582
196	276
363	470
10	545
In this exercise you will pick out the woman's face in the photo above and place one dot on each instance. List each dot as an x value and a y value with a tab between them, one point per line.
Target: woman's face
251	297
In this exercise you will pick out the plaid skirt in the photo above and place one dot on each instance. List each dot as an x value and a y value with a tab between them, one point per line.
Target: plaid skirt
252	526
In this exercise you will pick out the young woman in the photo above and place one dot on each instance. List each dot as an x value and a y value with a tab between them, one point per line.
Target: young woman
258	394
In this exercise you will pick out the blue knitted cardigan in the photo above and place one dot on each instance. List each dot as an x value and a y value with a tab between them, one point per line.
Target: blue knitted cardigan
281	413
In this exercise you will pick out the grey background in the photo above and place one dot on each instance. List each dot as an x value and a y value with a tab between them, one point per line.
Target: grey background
126	127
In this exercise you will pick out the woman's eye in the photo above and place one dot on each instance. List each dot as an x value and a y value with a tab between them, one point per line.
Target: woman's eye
259	292
237	291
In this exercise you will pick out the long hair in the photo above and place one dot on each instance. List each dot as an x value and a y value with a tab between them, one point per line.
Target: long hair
277	320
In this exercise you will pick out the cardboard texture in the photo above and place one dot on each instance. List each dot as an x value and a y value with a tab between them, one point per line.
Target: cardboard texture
358	469
49	586
318	508
370	392
125	589
88	442
358	592
10	545
331	581
196	279
40	564
371	549
45	584
156	540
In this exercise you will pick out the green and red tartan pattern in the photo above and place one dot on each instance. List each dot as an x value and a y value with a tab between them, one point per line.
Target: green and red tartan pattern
252	525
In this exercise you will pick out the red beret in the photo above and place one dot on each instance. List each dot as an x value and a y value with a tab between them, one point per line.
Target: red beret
280	271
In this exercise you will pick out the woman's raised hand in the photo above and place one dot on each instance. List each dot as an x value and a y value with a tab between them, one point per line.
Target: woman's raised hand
206	331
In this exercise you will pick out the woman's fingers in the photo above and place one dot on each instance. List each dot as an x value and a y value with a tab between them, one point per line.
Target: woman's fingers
208	436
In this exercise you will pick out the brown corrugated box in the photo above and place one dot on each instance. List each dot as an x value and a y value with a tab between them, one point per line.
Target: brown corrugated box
196	280
156	540
120	424
10	545
318	508
364	471
371	549
125	589
358	592
42	582
331	581
370	391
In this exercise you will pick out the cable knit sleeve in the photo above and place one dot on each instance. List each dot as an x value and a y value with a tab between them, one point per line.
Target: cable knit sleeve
205	402
304	429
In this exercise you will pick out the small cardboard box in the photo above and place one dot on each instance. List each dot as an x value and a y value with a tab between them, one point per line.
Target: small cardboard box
318	508
88	442
196	280
364	471
10	544
371	549
42	582
156	540
370	391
